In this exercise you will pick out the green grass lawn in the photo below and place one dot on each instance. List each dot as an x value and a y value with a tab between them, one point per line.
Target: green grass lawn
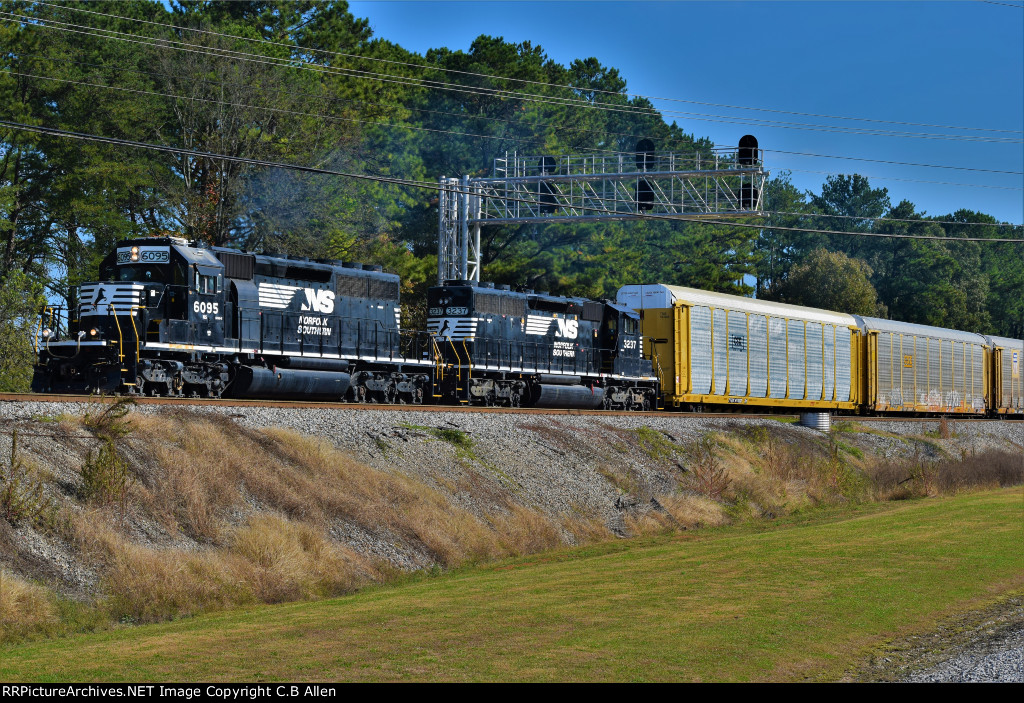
803	598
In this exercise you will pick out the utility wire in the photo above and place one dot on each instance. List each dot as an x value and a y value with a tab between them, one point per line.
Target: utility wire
408	127
267	109
895	163
405	127
461	116
919	221
559	129
456	189
529	97
305	65
909	180
325	52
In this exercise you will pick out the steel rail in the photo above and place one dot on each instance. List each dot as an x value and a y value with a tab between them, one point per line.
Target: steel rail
360	407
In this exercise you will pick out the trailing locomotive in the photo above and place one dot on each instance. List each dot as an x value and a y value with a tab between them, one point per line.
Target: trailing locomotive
503	347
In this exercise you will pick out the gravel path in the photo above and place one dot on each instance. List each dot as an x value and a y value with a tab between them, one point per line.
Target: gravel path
985	646
1000	660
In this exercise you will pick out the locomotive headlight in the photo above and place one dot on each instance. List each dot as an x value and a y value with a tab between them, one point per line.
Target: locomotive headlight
47	332
93	332
135	253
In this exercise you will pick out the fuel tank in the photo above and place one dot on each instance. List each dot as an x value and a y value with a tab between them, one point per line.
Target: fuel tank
259	382
552	396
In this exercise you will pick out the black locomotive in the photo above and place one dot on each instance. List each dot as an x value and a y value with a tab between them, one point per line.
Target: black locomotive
173	318
505	347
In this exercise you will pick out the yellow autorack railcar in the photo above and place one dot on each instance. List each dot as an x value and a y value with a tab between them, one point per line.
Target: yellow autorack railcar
914	368
718	349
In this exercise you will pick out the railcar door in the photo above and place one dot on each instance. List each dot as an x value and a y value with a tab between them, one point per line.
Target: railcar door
608	339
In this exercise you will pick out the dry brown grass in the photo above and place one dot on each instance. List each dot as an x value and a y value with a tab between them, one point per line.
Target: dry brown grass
268	560
525	531
695	511
24	607
585	527
678	512
285	561
263	503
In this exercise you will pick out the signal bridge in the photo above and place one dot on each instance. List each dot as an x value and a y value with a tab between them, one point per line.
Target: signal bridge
587	188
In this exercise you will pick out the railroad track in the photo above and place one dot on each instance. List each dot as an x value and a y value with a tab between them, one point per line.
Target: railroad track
300	404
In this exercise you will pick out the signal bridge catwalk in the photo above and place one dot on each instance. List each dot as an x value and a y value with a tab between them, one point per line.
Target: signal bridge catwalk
594	187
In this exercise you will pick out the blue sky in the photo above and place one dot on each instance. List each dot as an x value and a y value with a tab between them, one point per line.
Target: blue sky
940	63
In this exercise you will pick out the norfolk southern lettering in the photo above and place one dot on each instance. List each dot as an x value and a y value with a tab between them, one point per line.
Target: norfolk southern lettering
314	325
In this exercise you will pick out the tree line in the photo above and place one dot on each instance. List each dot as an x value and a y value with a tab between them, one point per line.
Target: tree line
307	83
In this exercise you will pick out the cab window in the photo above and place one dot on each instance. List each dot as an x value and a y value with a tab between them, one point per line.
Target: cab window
140	273
629	325
206	285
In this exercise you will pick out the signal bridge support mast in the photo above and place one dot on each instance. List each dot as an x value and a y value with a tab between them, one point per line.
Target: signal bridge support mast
593	187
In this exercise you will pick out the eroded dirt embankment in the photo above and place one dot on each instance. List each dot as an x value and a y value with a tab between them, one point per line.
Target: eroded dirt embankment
168	512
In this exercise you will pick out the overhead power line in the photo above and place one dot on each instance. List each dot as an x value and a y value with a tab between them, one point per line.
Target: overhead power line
910	180
919	221
410	127
456	189
487	92
227	103
360	121
895	163
325	52
483	118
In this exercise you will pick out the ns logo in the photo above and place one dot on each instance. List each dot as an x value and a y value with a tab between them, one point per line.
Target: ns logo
321	301
568	329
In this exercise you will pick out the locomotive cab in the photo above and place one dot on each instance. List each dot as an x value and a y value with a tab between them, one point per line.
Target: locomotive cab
155	291
174	292
620	334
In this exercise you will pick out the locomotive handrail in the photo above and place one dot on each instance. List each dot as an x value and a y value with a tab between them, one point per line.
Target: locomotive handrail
39	327
458	366
120	336
136	330
438	365
656	360
387	335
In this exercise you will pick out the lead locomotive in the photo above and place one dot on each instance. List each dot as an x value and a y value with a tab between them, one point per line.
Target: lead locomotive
169	317
172	318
